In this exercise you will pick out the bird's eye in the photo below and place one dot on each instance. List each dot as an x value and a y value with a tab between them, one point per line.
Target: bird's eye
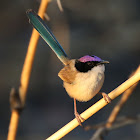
89	63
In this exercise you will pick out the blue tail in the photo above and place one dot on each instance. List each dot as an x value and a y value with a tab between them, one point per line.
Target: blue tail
47	35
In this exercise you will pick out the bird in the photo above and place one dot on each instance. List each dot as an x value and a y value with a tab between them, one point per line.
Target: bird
82	77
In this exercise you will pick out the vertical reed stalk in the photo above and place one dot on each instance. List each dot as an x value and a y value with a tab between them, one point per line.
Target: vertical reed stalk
25	75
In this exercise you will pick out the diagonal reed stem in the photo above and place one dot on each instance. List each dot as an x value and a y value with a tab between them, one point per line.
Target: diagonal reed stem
122	101
25	75
95	108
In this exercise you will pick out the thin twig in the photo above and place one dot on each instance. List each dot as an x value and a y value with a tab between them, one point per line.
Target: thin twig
60	5
120	122
25	76
46	16
95	108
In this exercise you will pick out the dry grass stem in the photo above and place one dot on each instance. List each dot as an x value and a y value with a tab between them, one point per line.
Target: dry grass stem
122	101
95	108
113	122
25	76
13	125
31	53
46	16
60	5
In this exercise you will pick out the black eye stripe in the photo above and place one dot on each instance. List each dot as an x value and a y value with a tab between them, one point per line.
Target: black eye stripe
85	67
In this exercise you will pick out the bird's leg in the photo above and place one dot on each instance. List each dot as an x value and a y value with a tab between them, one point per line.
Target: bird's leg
106	97
77	116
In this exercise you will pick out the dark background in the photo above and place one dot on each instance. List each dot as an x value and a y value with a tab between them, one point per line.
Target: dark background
109	29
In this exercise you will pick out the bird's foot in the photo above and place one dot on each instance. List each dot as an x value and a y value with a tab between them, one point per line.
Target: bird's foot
79	118
106	97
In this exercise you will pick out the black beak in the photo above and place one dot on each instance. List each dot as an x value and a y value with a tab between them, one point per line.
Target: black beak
104	62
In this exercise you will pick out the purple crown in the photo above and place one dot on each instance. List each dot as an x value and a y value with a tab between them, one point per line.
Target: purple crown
87	58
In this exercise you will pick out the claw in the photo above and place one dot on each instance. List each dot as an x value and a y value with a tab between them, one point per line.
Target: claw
79	118
106	98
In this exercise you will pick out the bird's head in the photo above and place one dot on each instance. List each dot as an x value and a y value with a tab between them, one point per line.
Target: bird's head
87	62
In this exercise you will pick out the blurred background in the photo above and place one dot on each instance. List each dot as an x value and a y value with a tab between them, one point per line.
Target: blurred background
109	29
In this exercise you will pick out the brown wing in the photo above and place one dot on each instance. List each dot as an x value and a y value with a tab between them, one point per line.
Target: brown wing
68	73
